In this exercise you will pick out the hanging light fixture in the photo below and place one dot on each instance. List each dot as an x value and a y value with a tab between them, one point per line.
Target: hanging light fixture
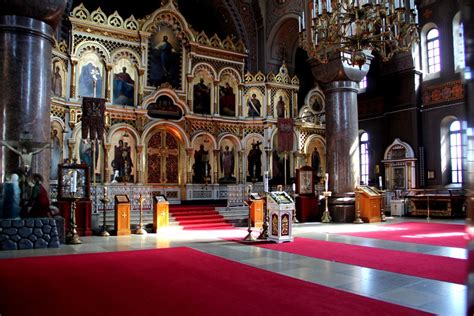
354	28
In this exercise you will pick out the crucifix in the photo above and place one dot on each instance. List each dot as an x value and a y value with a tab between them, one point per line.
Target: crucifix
26	156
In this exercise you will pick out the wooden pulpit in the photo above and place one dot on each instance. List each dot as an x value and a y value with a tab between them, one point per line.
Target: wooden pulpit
122	215
160	212
369	201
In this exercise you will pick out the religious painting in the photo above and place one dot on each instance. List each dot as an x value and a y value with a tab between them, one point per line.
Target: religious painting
123	157
399	178
202	170
202	87
91	74
56	149
164	108
227	162
280	164
316	103
86	154
163	150
281	104
227	95
253	103
164	58
58	80
254	159
124	75
316	158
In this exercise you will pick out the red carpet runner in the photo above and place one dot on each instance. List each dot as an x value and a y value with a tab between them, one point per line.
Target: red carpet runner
175	281
409	263
447	235
198	217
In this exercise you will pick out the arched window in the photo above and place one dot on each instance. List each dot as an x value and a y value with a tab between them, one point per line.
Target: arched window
458	43
363	85
433	51
455	151
364	158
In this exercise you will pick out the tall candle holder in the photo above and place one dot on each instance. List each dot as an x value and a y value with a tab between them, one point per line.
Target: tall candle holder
248	202
72	237
105	200
140	230
382	211
326	216
358	220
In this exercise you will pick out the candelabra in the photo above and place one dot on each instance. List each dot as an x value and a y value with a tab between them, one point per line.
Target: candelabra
352	28
382	211
358	220
140	230
326	216
72	237
105	199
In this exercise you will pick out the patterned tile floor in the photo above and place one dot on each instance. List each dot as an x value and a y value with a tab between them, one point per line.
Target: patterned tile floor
441	298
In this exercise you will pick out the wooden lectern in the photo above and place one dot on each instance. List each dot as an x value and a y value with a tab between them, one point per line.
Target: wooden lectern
160	212
122	215
256	213
369	202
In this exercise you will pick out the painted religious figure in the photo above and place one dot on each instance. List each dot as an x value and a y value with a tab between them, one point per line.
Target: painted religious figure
316	162
57	82
202	98
90	81
201	167
254	106
280	107
124	87
122	163
226	100
227	165
164	65
255	162
56	151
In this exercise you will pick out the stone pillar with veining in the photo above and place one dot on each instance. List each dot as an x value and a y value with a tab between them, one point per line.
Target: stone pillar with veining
340	81
26	40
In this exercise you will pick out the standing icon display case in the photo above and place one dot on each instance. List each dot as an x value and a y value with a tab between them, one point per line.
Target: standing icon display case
280	210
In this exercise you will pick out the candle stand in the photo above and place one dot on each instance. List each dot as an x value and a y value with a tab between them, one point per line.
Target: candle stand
140	230
105	199
72	237
326	216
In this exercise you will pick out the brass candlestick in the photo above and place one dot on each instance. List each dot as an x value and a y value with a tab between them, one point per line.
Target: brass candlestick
140	230
72	237
105	199
326	216
382	211
249	237
358	220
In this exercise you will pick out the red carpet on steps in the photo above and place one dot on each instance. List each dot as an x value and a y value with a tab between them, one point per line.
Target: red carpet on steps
409	263
198	217
447	235
174	281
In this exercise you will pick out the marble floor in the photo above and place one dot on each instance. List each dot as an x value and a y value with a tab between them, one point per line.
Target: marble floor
441	298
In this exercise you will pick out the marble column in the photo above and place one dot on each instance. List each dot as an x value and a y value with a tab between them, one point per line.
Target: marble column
340	82
26	39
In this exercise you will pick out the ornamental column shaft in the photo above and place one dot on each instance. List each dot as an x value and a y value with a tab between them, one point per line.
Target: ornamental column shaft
26	39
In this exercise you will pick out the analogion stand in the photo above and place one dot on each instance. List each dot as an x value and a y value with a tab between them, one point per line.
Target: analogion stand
280	212
122	215
160	212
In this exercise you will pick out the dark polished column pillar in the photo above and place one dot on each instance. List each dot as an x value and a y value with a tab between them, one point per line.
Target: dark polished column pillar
467	16
340	83
26	39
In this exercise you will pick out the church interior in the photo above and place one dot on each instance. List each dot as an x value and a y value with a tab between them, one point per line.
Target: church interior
237	156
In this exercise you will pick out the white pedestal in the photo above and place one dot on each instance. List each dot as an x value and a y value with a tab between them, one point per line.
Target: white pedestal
397	207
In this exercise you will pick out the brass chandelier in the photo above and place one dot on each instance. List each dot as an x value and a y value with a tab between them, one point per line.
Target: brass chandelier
353	28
